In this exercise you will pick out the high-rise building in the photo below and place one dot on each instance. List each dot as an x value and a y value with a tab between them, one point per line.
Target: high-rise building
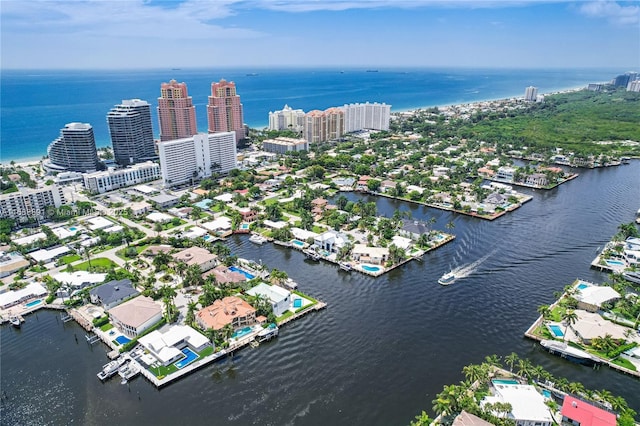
634	86
197	157
74	150
530	94
287	119
224	111
27	204
622	80
176	113
322	126
131	132
373	116
282	145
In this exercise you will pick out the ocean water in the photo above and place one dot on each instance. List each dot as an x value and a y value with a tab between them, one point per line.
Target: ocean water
35	105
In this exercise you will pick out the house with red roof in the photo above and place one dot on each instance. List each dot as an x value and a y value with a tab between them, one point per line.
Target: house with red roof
580	413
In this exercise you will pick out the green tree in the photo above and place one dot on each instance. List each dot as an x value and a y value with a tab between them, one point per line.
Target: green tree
569	317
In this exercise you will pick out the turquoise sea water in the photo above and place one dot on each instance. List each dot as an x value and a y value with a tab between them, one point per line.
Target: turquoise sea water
37	104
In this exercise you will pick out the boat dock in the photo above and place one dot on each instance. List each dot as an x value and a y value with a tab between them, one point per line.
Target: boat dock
318	306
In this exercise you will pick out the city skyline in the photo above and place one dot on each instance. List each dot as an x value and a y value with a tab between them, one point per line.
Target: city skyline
287	33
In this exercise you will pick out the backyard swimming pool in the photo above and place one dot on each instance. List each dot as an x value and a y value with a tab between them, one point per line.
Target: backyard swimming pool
297	303
244	226
245	273
612	262
240	333
505	382
370	268
582	286
297	243
33	303
556	330
189	357
122	340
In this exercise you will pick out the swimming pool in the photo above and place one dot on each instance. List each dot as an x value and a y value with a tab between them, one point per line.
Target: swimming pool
297	303
298	243
244	226
240	333
582	286
207	237
611	262
245	273
370	268
122	340
546	394
556	330
73	229
33	303
505	382
189	357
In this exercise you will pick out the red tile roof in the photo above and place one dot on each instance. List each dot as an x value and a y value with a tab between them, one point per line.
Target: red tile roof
585	413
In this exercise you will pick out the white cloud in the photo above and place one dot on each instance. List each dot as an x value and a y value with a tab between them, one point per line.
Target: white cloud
612	11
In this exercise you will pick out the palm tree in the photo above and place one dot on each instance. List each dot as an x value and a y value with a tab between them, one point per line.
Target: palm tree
493	360
524	368
191	308
472	373
570	317
511	359
544	311
181	267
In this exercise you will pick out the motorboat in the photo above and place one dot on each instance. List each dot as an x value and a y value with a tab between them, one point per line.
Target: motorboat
268	333
312	254
346	266
634	277
447	278
563	350
15	321
291	284
110	368
127	372
257	238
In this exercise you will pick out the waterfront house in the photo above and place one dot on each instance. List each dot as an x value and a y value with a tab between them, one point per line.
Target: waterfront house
224	275
248	215
413	229
537	179
591	297
365	254
468	419
505	174
12	298
580	413
197	256
344	183
386	185
591	325
166	347
486	172
528	406
193	233
361	185
11	262
219	225
112	293
331	241
279	298
135	316
229	310
495	199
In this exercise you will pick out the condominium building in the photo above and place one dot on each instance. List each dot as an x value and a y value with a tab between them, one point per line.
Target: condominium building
282	145
322	126
30	203
224	111
634	86
287	119
176	113
74	150
199	156
530	94
131	132
373	116
112	179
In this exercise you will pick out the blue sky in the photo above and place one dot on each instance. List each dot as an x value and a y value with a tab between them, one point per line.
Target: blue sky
345	33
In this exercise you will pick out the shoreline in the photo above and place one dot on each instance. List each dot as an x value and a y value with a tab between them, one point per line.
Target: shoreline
34	160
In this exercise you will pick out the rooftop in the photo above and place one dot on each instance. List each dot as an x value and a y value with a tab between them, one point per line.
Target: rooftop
223	312
136	311
585	413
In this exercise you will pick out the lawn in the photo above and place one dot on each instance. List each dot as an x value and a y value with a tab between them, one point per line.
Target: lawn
99	263
65	260
139	249
283	317
108	326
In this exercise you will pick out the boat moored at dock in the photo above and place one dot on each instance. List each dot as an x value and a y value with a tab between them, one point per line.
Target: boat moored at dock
257	239
572	354
346	266
111	368
15	320
634	277
268	333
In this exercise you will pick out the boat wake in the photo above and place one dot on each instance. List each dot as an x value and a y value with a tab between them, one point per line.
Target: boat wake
468	269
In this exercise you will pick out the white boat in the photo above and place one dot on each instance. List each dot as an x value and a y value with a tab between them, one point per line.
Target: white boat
257	238
634	277
268	333
447	278
110	368
346	266
291	284
569	352
15	321
312	254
